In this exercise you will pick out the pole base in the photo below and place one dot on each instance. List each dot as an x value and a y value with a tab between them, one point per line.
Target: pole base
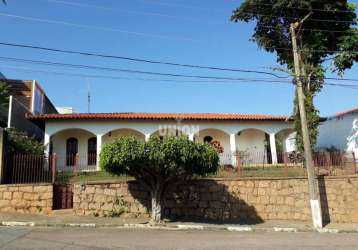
316	214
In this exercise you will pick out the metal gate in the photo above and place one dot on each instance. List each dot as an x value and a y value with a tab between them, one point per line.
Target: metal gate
62	196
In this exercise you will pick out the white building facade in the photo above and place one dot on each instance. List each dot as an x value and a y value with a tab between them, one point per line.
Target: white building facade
339	132
252	138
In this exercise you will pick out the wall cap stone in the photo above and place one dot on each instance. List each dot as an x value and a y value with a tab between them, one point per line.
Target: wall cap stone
26	185
342	177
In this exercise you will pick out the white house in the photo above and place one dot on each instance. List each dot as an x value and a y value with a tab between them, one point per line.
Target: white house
83	134
340	131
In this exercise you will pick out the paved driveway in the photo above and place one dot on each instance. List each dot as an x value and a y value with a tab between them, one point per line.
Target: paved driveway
111	238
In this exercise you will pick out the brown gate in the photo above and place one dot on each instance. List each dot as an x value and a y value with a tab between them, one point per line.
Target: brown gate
62	196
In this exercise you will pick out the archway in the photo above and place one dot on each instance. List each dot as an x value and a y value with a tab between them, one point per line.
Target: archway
71	147
253	146
122	132
220	140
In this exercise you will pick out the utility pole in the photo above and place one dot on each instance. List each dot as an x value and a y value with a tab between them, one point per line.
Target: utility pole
312	182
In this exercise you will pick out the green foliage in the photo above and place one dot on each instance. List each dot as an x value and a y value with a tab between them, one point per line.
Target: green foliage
19	142
313	120
159	163
4	102
318	41
4	94
120	206
169	158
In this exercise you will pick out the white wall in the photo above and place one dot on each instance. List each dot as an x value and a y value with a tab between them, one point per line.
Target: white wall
120	133
289	143
339	132
220	130
251	140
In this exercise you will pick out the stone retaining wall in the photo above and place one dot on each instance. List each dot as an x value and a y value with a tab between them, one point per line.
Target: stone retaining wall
223	199
26	198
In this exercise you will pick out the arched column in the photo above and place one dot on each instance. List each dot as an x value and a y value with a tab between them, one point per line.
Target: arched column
233	149
273	148
47	144
99	148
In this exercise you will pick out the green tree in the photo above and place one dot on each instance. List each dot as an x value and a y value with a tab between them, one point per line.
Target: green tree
4	102
328	34
158	163
19	143
4	93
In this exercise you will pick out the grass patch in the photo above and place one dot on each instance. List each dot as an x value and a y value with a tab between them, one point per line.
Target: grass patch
70	177
266	171
254	171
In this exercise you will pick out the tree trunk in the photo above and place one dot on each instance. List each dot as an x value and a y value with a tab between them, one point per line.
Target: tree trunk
156	205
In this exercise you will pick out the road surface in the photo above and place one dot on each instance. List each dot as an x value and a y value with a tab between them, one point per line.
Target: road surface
112	238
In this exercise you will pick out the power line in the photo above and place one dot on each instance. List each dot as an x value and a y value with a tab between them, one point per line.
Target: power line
177	17
140	60
144	13
207	79
318	30
82	66
309	9
165	63
95	27
144	79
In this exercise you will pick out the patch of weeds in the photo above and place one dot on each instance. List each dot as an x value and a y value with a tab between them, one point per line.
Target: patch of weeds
120	206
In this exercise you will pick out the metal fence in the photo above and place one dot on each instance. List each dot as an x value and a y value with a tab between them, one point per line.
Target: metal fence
25	168
22	168
76	163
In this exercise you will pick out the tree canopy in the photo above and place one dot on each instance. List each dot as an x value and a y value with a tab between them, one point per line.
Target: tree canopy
158	163
328	33
4	101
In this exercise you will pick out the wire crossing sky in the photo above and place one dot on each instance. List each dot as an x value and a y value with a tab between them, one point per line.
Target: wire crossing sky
178	32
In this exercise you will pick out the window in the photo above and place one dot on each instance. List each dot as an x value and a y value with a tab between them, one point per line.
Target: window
71	151
92	151
38	102
208	139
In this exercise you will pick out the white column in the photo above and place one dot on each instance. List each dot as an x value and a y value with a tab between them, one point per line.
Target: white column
99	147
147	136
47	144
191	137
9	116
233	149
273	148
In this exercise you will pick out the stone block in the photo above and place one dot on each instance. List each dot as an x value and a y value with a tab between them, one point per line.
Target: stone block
4	203
40	189
7	195
28	189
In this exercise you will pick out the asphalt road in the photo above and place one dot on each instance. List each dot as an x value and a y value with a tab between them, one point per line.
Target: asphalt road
111	238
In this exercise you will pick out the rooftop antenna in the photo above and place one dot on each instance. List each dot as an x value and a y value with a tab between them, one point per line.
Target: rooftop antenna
88	97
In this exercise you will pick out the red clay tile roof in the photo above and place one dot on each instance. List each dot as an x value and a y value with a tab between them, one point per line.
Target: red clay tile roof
350	111
155	116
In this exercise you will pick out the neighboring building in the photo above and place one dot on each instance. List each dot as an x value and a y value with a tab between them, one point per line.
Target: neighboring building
340	132
65	110
253	136
27	96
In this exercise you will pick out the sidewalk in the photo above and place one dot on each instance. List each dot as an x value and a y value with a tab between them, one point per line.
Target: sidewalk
67	219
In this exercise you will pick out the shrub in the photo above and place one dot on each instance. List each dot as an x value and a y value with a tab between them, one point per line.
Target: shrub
158	163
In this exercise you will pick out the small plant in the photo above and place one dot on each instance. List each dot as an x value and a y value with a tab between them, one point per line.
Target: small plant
217	146
120	206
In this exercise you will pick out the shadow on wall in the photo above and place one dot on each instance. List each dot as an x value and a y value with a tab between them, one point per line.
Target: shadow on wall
326	219
206	201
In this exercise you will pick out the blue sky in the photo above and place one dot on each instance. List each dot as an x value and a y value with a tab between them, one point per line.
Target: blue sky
182	31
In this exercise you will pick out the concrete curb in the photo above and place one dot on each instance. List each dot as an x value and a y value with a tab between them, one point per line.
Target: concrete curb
178	227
